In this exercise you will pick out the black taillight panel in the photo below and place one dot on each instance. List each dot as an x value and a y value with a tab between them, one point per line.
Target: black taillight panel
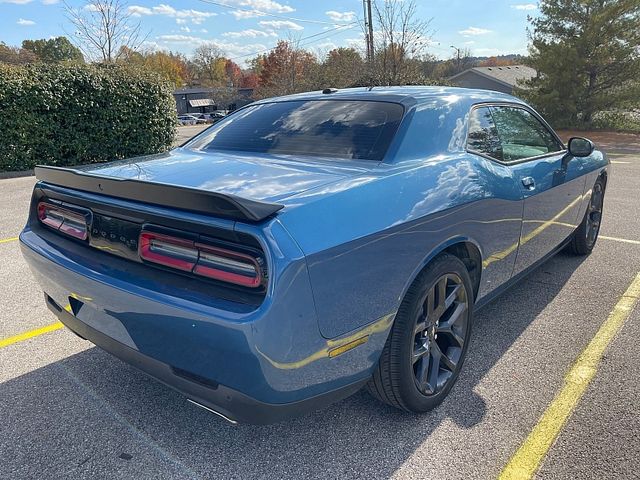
198	255
115	235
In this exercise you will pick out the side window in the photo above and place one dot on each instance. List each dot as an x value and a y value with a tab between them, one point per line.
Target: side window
522	135
483	135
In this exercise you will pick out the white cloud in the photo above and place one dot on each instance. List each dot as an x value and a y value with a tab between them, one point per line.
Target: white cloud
255	8
525	6
182	16
281	24
137	10
235	50
163	9
341	16
323	48
357	43
473	31
151	46
25	23
185	29
16	2
183	39
265	6
228	48
243	14
50	2
250	33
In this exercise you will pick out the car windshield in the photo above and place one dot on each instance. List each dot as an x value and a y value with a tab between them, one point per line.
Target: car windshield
348	129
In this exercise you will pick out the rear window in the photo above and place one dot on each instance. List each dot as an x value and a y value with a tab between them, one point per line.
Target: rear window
359	130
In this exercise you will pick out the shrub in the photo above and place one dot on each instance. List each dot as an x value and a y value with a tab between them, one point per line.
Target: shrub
618	121
70	114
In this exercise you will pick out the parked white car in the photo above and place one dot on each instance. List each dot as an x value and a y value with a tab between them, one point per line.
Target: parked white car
187	120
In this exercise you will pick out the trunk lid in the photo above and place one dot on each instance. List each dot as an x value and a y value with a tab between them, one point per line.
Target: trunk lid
265	178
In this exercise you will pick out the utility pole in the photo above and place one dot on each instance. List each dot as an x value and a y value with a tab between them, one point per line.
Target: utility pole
458	57
370	30
368	26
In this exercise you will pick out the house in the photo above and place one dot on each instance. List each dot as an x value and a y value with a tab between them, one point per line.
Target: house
204	100
499	79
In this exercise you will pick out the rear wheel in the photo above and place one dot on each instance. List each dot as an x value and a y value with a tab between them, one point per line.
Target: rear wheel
428	342
586	235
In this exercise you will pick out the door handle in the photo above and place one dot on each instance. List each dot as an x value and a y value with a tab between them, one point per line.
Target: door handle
529	183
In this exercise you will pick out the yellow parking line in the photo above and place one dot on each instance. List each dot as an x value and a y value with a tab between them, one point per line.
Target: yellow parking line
618	161
623	240
7	240
527	459
30	334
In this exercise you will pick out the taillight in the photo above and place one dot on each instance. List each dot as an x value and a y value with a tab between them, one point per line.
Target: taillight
228	266
168	251
201	259
66	221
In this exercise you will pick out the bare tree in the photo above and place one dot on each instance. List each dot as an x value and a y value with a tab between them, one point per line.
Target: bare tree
103	28
400	39
210	65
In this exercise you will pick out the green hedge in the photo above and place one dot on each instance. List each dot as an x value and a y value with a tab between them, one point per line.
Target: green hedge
71	114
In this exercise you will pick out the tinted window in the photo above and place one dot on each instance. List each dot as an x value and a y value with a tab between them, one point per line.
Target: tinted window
325	128
483	135
522	135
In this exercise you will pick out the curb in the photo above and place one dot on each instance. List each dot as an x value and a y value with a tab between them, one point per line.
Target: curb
22	173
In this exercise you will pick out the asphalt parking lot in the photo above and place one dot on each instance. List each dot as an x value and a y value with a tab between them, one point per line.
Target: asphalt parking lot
69	410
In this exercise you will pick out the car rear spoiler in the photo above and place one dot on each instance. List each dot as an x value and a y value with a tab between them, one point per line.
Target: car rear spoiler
185	198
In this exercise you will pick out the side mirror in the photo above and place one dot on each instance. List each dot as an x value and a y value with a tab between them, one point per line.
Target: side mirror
580	147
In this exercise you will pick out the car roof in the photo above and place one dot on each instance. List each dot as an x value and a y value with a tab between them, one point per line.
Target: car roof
406	95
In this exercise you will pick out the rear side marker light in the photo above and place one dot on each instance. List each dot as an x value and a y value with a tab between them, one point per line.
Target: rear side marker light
68	222
200	259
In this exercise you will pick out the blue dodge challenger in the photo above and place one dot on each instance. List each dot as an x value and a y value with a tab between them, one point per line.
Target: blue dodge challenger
306	246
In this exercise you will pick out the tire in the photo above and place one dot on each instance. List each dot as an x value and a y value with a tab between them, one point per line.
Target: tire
586	235
401	378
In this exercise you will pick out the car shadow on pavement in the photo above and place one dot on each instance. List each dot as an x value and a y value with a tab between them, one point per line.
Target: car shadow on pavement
90	402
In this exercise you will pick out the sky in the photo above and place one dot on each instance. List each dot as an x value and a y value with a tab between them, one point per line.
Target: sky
243	28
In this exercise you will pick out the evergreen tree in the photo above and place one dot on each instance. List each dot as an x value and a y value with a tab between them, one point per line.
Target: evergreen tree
587	54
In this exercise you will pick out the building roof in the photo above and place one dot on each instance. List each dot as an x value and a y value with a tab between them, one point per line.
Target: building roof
507	75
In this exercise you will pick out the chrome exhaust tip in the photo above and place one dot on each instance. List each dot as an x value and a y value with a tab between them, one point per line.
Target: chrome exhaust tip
208	409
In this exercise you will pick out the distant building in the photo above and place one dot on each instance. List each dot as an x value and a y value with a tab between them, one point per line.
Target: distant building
204	100
499	79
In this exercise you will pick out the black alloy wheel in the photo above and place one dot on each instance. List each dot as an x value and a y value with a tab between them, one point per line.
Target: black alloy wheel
440	334
594	213
429	338
586	235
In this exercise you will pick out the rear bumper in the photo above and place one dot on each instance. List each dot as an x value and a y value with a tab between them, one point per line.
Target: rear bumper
228	403
256	365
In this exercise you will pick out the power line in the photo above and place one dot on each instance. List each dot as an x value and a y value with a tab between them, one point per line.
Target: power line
262	13
341	29
321	35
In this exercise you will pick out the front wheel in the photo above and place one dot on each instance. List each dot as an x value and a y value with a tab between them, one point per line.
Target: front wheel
586	235
428	342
